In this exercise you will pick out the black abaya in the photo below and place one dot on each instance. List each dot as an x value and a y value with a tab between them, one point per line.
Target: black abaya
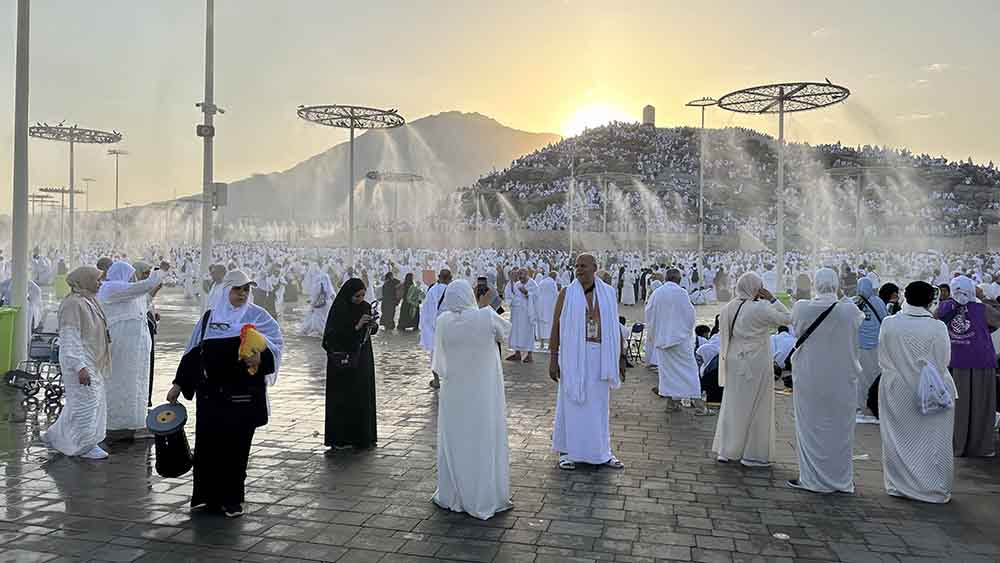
226	421
350	392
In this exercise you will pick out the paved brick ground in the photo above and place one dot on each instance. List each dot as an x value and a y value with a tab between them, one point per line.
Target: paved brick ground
673	502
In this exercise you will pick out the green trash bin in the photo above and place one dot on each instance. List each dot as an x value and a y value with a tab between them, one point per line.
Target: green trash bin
8	320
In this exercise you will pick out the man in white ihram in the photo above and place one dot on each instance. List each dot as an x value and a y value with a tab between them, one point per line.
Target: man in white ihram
521	295
587	361
428	317
672	316
548	292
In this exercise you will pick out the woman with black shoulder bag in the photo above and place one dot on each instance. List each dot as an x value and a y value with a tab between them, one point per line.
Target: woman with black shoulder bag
233	356
350	370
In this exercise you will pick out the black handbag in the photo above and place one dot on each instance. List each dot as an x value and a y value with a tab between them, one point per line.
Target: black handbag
343	360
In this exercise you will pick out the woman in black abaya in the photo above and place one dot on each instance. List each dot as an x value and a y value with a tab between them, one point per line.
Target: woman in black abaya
350	391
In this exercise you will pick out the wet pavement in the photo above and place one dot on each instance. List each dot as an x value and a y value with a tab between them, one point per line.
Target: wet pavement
673	502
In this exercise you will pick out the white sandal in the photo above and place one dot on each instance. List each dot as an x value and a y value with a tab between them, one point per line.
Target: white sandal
566	464
614	463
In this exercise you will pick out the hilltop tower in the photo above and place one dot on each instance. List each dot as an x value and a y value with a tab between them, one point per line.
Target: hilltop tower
649	116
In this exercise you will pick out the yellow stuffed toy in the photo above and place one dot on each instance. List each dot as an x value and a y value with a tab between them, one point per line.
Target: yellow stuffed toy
251	343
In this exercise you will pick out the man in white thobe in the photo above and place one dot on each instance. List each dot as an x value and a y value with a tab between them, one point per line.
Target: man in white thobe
825	371
521	295
548	292
217	272
770	278
428	317
587	361
672	316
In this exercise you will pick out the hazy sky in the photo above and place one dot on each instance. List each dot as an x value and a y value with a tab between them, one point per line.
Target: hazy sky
922	75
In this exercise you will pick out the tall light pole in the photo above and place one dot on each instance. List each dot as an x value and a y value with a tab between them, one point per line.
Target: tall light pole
351	117
701	103
781	99
19	254
207	132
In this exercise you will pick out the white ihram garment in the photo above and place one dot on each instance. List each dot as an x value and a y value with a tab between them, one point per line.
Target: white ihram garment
628	289
127	385
672	314
522	315
473	459
917	456
548	292
314	322
825	372
428	317
588	372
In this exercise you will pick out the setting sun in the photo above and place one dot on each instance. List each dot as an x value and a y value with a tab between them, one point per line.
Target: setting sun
593	115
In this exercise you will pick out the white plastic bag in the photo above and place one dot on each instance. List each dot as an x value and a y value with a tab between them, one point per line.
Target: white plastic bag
933	394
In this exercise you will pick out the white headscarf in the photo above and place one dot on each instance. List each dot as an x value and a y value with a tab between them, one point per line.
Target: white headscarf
826	282
226	320
963	290
458	298
748	286
119	277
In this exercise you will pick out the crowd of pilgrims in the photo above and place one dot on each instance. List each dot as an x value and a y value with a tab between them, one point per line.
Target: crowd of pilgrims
906	340
740	173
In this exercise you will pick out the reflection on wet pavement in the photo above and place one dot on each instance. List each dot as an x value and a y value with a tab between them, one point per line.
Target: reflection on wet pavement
671	502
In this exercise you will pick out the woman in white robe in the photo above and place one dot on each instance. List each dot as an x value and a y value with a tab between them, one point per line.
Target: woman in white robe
825	372
746	420
472	452
321	296
85	361
125	305
917	457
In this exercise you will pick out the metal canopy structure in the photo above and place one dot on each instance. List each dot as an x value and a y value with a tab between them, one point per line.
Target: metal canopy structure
395	178
701	103
351	118
783	98
73	134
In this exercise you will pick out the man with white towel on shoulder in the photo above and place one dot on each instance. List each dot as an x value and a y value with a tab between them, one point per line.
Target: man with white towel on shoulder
548	292
587	360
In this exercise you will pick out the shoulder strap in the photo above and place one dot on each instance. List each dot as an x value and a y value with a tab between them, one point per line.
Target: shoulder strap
732	325
204	325
874	312
815	324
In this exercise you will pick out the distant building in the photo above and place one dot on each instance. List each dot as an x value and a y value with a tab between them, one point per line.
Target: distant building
649	116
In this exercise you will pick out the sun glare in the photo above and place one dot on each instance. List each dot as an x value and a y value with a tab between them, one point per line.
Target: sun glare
593	115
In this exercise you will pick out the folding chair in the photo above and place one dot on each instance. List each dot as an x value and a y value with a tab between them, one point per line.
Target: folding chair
634	342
